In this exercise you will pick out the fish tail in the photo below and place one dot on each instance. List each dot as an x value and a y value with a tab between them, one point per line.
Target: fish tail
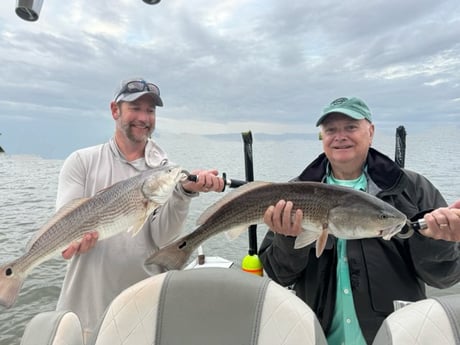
172	257
10	284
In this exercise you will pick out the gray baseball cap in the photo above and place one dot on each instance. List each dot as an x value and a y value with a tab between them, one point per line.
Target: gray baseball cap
131	89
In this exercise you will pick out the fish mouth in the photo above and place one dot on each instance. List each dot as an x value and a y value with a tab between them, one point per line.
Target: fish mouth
388	233
183	175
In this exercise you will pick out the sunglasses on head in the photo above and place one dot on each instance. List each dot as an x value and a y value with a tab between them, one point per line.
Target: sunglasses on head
138	86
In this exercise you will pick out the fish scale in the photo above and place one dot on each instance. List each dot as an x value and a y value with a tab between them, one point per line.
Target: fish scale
99	211
327	209
125	205
314	202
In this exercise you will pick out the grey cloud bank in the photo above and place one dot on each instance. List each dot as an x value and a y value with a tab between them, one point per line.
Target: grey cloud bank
224	66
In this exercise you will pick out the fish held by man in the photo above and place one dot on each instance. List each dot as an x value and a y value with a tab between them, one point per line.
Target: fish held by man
327	209
125	205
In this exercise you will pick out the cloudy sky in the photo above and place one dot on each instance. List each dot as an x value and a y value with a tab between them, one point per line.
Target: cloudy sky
224	66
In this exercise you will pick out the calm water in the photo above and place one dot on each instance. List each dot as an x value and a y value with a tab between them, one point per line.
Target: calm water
28	190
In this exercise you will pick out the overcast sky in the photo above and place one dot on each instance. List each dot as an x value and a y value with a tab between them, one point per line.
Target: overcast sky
224	66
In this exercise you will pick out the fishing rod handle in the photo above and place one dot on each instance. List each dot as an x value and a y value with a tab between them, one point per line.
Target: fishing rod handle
232	183
419	225
411	227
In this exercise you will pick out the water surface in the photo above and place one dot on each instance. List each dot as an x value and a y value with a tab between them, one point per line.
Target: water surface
28	191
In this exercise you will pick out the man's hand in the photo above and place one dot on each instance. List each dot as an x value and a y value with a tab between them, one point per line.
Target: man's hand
278	218
87	243
207	181
444	223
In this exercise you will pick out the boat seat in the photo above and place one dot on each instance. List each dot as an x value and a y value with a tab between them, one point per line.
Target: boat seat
431	321
53	328
207	306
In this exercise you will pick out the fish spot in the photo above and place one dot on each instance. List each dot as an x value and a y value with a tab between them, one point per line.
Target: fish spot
9	272
182	245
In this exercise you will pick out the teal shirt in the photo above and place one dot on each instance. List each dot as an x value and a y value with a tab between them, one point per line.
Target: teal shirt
345	329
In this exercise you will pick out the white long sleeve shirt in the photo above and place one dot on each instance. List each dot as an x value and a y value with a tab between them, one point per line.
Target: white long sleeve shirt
95	278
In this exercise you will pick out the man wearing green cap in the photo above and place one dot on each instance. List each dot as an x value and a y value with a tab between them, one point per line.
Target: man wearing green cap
352	285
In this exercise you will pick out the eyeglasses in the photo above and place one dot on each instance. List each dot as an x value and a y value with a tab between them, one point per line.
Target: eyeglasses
138	86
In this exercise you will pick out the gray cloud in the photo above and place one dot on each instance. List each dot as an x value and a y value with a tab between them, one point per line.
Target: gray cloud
222	66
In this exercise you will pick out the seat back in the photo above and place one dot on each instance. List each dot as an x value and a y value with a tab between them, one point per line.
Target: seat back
431	321
195	307
208	306
53	328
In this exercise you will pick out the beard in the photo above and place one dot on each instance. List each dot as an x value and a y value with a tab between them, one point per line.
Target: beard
137	132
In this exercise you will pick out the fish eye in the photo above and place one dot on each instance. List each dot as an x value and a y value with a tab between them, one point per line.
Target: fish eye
383	216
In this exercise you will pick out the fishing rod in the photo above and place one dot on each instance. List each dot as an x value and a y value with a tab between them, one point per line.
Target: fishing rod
400	146
400	159
231	183
251	262
249	169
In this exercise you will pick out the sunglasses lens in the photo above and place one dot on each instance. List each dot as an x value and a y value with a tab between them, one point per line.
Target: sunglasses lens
138	86
135	86
153	88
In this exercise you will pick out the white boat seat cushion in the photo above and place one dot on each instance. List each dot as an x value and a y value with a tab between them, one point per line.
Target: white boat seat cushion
208	306
53	328
426	322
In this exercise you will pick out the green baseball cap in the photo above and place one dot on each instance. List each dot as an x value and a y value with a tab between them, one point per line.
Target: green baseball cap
352	107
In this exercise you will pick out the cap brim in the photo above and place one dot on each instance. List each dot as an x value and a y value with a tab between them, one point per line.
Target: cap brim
347	112
130	97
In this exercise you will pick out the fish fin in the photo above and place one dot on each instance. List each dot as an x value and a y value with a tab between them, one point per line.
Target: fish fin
227	198
305	238
61	213
10	285
321	242
235	232
171	257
